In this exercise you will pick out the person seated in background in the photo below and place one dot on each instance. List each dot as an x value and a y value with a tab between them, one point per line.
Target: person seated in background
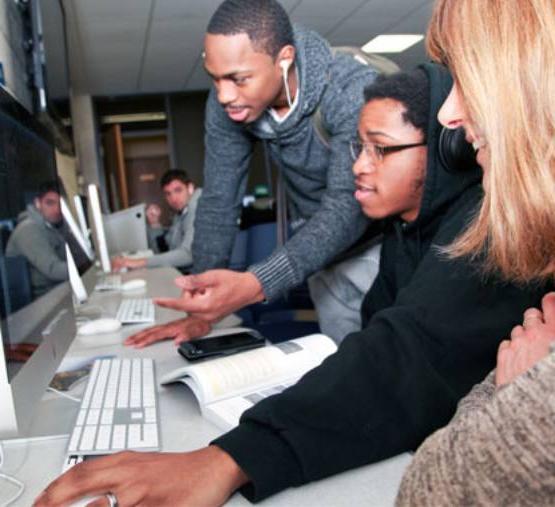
499	449
182	197
431	329
40	236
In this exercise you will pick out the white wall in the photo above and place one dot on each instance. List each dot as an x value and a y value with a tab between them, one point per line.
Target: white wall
12	54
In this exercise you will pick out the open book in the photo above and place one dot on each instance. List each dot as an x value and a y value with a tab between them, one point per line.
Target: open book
227	386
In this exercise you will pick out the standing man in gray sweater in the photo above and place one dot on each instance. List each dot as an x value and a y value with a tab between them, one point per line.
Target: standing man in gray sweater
269	81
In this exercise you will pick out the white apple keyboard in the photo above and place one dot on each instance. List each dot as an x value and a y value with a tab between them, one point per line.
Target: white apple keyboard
119	410
136	311
108	282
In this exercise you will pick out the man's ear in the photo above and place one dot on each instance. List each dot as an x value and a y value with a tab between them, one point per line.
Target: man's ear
36	202
286	55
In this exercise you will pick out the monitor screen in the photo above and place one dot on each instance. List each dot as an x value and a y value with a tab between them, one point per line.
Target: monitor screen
36	315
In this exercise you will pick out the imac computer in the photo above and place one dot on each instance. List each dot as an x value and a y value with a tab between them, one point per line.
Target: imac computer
126	230
99	234
81	218
34	333
76	230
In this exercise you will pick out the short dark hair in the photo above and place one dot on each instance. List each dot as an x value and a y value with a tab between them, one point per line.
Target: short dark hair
265	22
174	174
48	186
412	89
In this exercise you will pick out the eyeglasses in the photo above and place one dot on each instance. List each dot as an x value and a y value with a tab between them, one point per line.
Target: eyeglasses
377	152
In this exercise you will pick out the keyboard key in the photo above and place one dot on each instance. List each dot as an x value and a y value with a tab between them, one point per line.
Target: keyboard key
93	417
107	416
87	442
118	439
74	442
103	439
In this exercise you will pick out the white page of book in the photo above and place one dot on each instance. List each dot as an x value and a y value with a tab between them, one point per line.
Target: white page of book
255	369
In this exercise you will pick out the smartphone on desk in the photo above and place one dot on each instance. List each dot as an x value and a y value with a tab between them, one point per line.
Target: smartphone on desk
221	345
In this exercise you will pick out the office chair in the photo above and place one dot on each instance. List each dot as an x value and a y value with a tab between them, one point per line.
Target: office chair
16	293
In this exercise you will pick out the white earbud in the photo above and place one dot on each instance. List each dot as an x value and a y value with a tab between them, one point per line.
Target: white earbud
285	64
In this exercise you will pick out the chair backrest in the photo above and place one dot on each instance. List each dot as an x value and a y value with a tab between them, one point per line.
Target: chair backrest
4	237
15	292
238	258
261	241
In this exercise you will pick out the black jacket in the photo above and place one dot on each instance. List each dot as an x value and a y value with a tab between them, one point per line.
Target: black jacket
431	330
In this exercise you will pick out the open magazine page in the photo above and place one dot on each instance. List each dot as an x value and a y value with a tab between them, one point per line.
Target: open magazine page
253	370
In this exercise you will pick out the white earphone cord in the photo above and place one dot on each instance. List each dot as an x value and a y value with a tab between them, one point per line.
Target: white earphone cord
285	68
11	480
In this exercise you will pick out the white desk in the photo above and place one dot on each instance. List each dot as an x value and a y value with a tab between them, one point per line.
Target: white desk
182	427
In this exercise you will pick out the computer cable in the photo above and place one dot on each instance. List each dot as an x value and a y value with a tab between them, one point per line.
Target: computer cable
11	480
63	395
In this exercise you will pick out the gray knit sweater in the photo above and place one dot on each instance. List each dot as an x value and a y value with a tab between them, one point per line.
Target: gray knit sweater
499	449
318	179
43	245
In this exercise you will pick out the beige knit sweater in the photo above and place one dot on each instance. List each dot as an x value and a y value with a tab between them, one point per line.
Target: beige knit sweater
499	449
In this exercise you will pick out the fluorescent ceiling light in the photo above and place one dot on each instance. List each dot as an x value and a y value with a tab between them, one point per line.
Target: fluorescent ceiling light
133	118
391	43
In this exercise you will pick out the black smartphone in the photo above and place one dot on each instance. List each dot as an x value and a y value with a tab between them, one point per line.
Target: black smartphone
221	345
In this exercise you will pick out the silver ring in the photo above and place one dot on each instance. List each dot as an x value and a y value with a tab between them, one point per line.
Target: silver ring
112	499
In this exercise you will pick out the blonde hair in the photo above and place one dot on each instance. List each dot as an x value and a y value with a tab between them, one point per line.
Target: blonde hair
501	54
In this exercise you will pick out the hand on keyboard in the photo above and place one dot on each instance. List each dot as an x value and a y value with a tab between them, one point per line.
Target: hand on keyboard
204	477
179	331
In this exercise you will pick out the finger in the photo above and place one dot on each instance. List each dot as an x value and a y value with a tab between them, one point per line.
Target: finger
548	307
90	478
162	333
517	334
148	340
140	335
532	317
195	282
505	344
179	339
171	303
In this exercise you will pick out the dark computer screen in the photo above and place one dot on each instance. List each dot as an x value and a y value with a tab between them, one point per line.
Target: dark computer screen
27	159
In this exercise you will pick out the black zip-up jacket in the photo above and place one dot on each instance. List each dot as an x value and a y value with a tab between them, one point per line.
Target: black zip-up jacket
431	331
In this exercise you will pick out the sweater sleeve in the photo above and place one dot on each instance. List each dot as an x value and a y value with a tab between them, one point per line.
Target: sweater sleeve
496	451
339	221
388	387
228	151
181	256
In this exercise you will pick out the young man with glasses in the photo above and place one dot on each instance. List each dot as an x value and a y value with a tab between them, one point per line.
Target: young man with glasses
431	330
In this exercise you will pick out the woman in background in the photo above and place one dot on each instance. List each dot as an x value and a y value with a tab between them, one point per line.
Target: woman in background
499	449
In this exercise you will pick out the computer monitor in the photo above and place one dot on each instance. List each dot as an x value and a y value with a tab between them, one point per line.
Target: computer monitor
35	334
126	230
99	234
81	218
75	230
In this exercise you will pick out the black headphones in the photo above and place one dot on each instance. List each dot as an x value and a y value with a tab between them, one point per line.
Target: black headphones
455	152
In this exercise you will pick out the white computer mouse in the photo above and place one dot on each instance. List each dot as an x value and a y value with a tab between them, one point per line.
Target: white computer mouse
137	283
99	326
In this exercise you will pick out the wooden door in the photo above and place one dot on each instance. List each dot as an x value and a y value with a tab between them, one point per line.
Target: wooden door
114	165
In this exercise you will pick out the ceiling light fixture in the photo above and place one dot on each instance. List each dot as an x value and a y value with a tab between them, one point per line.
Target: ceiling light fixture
391	43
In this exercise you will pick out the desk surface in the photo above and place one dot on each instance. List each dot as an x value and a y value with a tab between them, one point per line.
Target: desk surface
182	427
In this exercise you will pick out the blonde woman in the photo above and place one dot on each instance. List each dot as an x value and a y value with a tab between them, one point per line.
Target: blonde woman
500	447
